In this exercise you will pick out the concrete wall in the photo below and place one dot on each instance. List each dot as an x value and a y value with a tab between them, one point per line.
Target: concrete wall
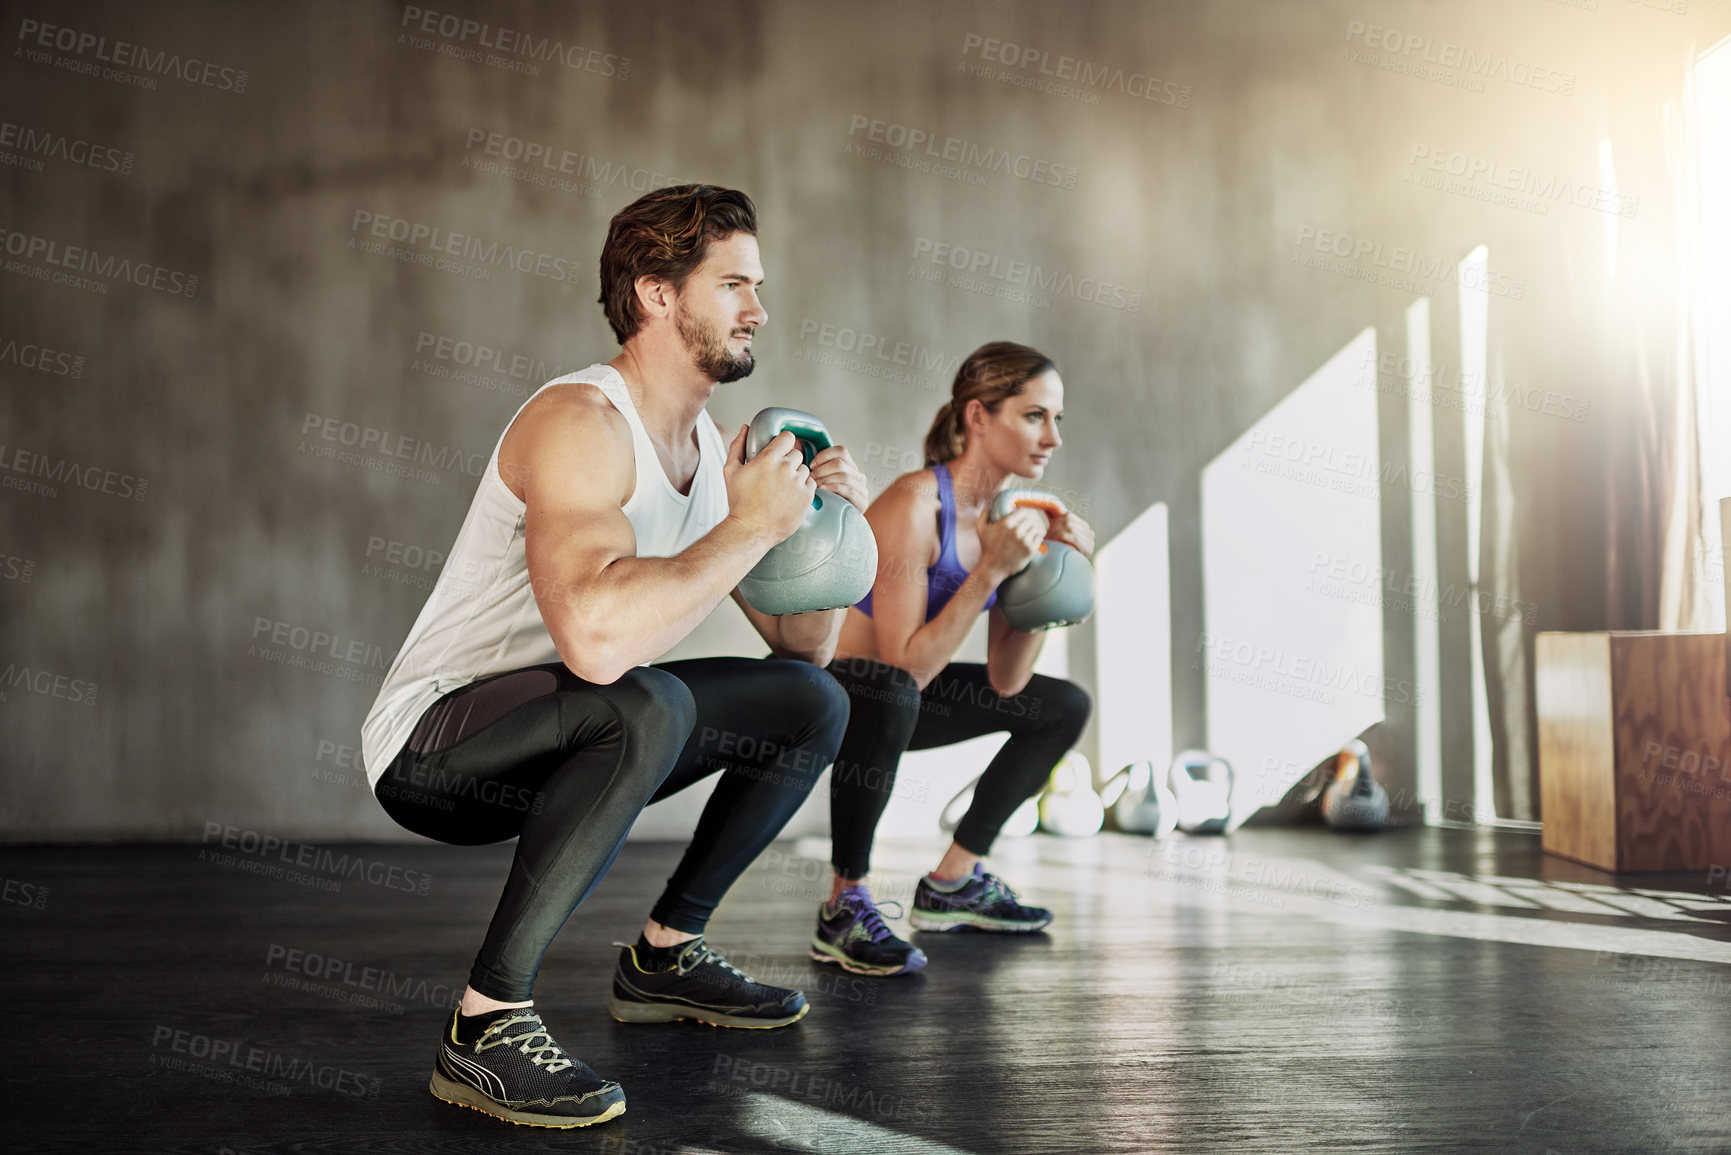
178	515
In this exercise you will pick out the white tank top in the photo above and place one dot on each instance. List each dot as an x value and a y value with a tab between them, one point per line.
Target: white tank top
481	618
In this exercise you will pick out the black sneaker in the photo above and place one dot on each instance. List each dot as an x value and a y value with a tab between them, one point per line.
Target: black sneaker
703	986
983	902
853	936
516	1072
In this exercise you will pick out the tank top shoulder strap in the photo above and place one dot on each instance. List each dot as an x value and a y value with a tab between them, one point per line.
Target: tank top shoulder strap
946	517
604	378
707	429
651	477
613	385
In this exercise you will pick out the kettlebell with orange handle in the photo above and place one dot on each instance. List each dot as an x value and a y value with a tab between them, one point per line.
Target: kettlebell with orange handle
1056	587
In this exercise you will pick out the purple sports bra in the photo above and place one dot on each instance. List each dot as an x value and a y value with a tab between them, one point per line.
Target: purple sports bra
946	576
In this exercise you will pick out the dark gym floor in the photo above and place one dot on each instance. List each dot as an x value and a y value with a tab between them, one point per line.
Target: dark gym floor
1279	990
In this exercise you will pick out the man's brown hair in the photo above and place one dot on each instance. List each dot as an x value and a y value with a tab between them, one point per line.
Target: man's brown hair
665	234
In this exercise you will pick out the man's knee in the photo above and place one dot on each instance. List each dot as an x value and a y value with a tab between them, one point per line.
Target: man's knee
654	702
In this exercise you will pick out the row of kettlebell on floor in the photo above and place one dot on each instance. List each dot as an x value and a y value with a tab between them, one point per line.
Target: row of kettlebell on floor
1194	795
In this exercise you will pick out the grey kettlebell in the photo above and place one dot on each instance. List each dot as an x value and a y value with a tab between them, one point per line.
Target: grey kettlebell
1354	800
1056	587
831	560
1141	803
1202	787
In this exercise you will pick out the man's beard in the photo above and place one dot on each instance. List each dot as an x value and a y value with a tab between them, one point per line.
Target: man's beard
709	352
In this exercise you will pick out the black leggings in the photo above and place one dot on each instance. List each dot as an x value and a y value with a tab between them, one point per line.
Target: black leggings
565	766
890	714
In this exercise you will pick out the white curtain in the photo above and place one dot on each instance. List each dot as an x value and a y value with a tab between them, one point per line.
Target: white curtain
1698	146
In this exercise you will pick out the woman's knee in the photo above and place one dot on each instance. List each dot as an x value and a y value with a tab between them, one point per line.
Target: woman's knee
1059	702
808	692
880	695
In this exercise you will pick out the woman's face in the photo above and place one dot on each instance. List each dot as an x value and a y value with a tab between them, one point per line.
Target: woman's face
1022	435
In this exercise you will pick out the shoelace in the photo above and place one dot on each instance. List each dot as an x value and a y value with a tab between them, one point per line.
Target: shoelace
998	888
548	1054
700	952
696	953
867	914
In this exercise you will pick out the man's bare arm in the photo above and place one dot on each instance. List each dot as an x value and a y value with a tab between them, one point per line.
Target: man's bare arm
607	609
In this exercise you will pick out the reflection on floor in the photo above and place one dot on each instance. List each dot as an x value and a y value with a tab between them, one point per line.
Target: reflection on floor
1277	990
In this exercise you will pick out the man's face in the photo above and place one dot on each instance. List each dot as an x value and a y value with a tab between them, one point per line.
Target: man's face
718	309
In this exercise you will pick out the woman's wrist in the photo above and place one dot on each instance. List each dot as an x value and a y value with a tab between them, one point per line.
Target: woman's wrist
991	576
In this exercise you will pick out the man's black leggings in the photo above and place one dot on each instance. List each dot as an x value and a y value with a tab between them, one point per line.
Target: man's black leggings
565	766
890	714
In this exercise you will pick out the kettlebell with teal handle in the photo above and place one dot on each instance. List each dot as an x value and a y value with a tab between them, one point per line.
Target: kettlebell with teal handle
831	560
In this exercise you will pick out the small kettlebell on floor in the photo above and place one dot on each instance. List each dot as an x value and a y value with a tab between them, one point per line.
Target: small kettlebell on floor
1140	802
1202	785
1354	800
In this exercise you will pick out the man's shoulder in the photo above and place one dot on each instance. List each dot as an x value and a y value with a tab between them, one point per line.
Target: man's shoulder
575	400
575	404
568	422
601	372
592	384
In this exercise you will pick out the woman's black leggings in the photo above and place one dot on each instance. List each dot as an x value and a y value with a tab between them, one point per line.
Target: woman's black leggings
890	714
565	766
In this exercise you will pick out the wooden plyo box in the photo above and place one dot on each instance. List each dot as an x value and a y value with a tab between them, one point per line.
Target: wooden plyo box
1635	749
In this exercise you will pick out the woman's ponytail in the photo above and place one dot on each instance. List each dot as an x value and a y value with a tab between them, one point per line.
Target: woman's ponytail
992	373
